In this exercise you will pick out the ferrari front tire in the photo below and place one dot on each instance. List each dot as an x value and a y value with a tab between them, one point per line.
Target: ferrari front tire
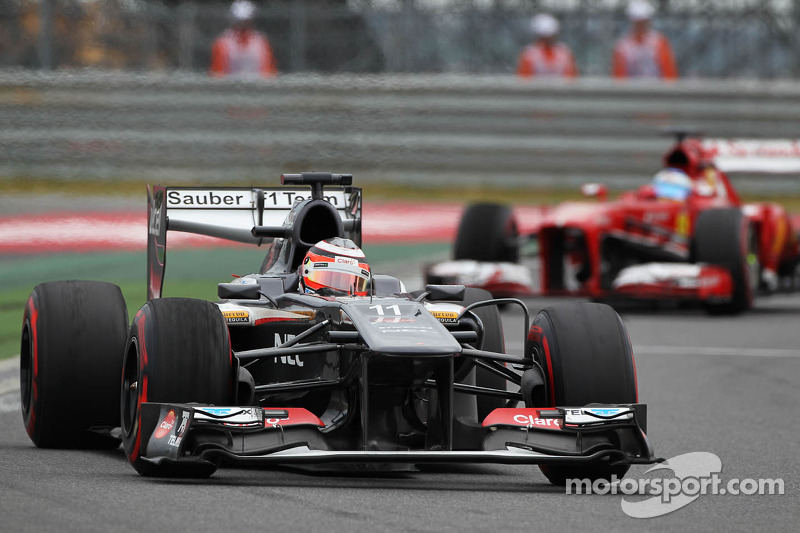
726	238
487	232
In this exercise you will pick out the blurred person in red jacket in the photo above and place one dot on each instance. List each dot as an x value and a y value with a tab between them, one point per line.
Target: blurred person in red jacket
546	57
644	52
241	51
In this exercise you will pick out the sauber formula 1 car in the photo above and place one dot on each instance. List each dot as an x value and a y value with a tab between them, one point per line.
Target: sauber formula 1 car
268	375
692	241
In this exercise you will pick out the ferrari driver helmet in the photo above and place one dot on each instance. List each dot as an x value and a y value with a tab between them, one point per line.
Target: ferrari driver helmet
335	267
672	184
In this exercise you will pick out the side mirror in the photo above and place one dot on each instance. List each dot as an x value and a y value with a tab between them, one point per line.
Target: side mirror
238	291
646	192
445	292
595	190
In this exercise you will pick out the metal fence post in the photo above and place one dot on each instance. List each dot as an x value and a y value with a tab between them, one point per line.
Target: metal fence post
186	15
46	34
297	23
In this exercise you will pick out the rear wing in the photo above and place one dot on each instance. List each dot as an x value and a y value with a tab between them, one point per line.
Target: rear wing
252	215
772	156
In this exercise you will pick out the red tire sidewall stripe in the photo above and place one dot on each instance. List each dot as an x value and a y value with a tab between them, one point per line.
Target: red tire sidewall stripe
633	362
142	389
550	380
33	318
746	249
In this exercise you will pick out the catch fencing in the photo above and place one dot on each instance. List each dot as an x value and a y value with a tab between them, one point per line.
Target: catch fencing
414	130
711	38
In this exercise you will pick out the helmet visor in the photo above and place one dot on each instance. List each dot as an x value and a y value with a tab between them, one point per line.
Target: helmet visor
672	191
338	280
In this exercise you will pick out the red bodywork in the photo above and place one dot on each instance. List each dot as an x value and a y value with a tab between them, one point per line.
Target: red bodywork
581	235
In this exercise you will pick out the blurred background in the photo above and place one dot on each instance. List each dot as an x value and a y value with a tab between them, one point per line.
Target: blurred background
712	38
399	92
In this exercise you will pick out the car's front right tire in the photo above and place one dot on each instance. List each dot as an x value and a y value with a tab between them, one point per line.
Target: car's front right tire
73	338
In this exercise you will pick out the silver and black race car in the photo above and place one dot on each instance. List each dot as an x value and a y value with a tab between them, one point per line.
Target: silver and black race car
268	375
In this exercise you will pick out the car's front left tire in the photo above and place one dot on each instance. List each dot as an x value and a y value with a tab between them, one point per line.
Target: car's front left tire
178	351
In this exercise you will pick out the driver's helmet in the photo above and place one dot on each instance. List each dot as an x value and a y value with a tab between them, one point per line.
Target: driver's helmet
335	267
672	184
242	11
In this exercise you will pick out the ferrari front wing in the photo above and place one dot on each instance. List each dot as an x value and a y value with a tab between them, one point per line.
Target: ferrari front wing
647	281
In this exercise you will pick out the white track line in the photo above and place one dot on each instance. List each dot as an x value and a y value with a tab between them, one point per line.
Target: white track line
715	350
514	346
9	385
9	364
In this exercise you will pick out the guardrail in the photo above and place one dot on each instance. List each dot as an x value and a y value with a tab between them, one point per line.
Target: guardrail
413	129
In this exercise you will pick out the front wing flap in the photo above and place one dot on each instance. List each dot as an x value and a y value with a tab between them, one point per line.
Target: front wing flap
647	281
685	281
186	433
502	279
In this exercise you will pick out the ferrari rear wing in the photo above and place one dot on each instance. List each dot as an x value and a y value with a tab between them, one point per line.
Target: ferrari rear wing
772	156
252	215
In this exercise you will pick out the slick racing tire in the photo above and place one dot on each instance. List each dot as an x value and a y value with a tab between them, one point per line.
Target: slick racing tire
725	237
493	341
178	351
487	232
73	340
585	353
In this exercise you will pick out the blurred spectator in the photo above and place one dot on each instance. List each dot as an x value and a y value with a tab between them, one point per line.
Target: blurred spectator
241	50
546	57
644	52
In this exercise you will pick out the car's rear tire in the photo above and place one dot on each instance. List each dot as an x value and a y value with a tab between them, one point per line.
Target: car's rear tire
493	341
726	238
178	351
487	232
586	356
73	340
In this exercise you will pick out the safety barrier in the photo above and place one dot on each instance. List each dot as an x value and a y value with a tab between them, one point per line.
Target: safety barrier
410	129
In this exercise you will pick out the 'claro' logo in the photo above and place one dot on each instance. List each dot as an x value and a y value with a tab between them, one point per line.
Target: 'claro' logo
530	420
165	426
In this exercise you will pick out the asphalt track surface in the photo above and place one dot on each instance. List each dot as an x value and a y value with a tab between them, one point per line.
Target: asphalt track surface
725	385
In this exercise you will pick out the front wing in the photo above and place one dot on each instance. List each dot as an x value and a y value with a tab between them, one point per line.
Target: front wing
502	279
185	434
649	281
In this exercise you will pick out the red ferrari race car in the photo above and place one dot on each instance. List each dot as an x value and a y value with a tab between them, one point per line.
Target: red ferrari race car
684	236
